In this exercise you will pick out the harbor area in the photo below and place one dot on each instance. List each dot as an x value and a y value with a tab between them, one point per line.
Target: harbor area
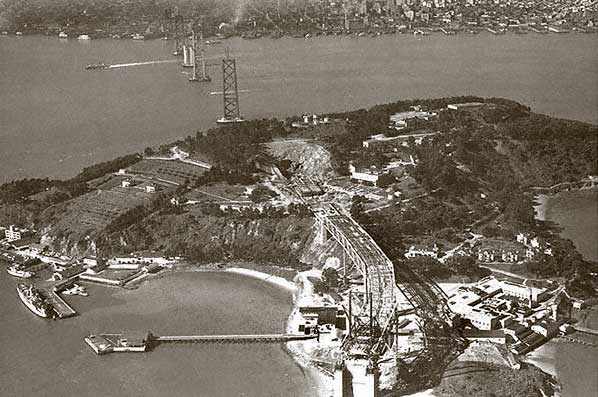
49	276
142	342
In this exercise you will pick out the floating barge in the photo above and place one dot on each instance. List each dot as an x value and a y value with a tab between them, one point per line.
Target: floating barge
118	343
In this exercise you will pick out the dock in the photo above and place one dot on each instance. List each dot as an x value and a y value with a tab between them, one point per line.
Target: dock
586	330
62	309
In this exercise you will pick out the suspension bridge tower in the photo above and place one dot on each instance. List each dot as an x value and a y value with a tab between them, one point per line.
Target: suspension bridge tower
230	91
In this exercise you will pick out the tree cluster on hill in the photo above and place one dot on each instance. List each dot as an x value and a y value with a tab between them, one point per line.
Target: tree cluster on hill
230	176
329	281
433	269
106	167
21	190
426	216
15	191
236	151
549	150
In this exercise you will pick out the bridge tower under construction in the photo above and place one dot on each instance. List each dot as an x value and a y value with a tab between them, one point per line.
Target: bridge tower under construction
230	91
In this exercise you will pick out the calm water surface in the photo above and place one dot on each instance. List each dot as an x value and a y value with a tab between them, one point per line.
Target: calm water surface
55	117
577	213
49	358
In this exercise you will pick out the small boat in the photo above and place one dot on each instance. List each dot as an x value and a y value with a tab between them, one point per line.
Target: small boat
137	36
83	37
19	33
213	42
76	290
17	271
63	35
97	66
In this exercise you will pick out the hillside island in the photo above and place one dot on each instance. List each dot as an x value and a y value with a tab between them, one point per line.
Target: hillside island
444	196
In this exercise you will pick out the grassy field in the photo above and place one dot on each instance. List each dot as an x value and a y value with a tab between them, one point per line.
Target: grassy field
94	211
173	171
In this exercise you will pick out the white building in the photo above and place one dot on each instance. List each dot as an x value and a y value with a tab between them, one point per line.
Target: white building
524	292
482	319
468	105
370	176
414	251
465	303
12	233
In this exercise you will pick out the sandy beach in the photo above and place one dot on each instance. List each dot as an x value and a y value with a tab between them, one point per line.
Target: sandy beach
299	350
544	358
276	280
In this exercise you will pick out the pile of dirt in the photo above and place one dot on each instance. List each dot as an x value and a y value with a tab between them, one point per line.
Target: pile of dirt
473	378
307	158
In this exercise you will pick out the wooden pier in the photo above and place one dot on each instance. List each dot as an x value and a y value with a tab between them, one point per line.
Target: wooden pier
62	309
264	338
586	330
135	342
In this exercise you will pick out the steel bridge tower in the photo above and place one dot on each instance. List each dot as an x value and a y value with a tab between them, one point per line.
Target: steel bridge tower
230	91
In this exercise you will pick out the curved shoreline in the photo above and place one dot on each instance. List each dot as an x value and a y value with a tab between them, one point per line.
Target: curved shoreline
295	349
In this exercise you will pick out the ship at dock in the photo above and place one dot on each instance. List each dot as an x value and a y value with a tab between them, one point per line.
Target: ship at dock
34	301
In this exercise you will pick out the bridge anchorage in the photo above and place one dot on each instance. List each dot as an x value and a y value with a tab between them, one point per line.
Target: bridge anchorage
380	305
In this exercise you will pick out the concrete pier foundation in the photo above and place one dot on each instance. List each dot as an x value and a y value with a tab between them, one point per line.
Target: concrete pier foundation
365	382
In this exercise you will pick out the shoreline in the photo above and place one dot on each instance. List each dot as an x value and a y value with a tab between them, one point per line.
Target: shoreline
269	278
267	273
544	357
563	210
426	31
297	350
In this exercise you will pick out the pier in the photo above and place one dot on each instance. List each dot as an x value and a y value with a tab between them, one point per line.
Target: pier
265	338
586	330
136	342
62	309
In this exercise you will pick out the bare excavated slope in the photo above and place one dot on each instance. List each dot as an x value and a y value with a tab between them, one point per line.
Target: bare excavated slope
308	158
